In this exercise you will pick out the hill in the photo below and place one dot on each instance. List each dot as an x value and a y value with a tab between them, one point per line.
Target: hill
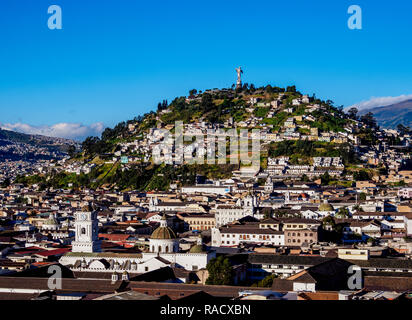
293	124
17	146
391	116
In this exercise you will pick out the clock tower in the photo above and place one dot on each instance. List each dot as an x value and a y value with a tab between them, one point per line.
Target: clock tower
87	230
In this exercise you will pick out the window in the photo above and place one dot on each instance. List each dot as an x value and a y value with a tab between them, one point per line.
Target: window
83	231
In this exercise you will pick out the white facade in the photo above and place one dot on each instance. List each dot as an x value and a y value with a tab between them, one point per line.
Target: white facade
163	252
301	286
225	214
408	225
211	189
234	237
405	193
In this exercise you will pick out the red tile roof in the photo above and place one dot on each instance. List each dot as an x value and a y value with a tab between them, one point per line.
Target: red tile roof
56	252
114	237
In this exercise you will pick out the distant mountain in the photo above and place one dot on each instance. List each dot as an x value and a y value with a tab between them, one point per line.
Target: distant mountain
20	146
390	116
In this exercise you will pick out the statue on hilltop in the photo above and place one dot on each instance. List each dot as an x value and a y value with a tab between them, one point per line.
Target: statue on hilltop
239	78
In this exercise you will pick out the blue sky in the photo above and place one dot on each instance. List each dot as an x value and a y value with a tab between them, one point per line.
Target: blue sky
114	60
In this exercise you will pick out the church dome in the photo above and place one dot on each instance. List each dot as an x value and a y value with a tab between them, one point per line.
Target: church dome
163	232
199	248
326	207
51	221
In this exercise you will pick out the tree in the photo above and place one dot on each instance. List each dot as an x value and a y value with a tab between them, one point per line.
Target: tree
220	271
267	282
207	103
325	178
71	150
162	105
403	130
362	196
361	175
192	92
353	113
291	89
329	221
6	183
267	212
369	120
343	213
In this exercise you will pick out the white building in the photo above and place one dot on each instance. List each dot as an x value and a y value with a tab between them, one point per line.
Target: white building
163	252
225	214
233	236
208	189
405	193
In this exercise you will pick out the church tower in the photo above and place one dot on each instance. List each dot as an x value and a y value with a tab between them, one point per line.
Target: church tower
87	231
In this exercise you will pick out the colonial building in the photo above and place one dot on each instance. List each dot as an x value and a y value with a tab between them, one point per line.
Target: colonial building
234	235
225	213
86	255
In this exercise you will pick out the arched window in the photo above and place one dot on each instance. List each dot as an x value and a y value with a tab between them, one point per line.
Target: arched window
160	249
167	249
83	231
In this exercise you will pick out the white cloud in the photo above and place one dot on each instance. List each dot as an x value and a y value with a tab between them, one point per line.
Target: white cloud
379	102
75	131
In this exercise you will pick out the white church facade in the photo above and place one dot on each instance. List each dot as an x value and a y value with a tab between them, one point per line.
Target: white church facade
86	254
225	214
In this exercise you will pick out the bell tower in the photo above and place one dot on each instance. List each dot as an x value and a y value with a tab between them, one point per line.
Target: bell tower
87	231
